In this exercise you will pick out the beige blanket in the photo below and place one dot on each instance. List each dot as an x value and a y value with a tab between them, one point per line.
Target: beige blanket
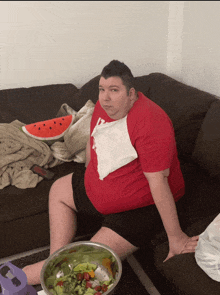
73	148
18	152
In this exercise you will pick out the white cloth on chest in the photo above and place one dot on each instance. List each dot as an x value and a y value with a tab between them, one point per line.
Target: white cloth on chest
113	146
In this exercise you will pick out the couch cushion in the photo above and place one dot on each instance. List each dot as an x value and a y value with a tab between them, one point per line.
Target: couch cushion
18	203
88	91
182	270
207	148
201	198
142	85
34	104
186	106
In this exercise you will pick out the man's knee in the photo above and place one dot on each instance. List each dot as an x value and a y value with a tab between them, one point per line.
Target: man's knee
116	242
61	191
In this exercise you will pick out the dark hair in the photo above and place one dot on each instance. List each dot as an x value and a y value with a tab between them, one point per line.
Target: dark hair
118	69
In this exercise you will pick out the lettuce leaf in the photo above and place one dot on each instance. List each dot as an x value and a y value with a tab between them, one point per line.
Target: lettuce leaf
85	267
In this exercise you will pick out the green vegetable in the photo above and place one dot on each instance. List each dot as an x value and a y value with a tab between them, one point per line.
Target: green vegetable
58	290
85	267
50	280
80	290
90	291
108	282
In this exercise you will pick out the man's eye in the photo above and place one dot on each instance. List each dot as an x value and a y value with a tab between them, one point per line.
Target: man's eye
100	89
114	90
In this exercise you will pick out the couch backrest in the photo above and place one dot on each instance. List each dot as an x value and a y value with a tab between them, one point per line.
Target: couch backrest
185	105
90	90
34	104
207	147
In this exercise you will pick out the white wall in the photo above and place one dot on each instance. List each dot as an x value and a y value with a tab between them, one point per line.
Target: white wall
201	45
48	42
71	41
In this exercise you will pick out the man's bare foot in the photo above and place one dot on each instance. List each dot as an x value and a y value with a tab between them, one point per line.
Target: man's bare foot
32	272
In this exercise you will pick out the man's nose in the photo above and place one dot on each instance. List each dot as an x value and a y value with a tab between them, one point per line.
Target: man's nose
106	96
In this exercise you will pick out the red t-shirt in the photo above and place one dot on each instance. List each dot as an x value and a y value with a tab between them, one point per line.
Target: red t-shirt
152	135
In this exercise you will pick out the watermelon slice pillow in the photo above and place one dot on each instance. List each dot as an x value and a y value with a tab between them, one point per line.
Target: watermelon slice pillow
49	131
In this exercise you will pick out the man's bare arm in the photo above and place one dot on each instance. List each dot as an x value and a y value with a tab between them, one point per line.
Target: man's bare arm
87	153
164	201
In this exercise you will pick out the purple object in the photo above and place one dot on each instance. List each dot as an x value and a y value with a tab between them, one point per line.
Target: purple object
13	281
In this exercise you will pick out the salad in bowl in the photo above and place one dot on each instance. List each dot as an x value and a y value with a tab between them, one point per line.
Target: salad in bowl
81	268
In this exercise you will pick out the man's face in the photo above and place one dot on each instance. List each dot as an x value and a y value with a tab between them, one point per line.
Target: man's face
114	98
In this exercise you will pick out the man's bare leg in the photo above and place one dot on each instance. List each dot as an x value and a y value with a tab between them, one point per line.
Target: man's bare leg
62	223
117	243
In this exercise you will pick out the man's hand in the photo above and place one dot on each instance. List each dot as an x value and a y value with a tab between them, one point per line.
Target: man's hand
181	244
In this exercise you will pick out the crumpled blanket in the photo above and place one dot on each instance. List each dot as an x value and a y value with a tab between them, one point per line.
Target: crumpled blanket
73	148
18	153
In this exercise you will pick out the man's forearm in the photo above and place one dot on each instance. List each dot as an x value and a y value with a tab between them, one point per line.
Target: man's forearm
179	242
166	206
87	153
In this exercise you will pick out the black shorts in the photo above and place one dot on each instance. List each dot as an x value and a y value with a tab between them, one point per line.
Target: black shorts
137	226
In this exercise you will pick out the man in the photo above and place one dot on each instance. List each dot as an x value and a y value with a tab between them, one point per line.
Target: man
132	180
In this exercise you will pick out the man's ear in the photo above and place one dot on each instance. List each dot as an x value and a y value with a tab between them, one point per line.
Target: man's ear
132	94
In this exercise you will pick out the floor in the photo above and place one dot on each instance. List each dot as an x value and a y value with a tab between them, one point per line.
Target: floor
145	280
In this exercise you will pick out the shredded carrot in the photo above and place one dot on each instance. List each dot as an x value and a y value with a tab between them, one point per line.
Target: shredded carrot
91	273
106	262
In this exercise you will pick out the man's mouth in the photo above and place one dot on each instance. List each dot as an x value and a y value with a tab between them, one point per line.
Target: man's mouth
106	107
